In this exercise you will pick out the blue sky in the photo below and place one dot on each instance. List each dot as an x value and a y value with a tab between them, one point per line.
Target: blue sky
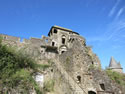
101	22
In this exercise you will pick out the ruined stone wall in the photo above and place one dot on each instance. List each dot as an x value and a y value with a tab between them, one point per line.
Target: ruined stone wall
100	77
32	46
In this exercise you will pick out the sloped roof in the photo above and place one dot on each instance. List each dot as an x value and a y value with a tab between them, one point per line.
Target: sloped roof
113	64
62	28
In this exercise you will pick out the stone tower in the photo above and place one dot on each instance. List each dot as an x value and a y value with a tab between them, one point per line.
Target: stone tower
115	66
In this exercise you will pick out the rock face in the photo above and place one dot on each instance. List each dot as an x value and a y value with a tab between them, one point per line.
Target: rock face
75	69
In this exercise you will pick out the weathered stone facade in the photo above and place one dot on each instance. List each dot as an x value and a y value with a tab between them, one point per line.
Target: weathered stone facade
73	62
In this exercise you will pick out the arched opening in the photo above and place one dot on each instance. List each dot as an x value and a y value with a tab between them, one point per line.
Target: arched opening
63	39
91	92
63	52
63	49
79	79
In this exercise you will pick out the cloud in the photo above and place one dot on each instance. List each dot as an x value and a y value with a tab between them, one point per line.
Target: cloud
119	13
114	8
115	32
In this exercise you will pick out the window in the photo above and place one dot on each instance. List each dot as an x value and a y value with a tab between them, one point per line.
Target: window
63	40
55	31
51	70
102	86
53	43
79	78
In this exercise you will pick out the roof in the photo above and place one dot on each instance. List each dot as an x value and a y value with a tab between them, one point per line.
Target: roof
62	28
113	64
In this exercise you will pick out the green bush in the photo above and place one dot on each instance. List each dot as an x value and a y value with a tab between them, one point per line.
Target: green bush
49	86
16	69
117	77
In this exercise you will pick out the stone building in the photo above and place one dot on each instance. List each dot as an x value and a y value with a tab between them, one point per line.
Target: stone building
114	66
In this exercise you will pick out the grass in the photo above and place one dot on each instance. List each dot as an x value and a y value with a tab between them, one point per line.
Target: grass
117	77
16	69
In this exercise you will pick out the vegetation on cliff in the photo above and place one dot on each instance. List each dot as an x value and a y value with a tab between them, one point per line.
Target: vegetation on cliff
16	71
119	78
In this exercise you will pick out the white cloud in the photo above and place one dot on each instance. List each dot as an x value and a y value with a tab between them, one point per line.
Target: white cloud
114	32
119	13
114	8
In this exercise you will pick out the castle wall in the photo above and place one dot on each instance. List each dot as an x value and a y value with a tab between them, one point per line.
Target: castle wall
118	70
10	38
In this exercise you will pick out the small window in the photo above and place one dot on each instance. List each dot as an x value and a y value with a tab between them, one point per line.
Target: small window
63	40
79	79
51	70
55	31
102	86
53	43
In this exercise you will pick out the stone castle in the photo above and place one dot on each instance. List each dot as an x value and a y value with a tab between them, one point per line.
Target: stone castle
76	69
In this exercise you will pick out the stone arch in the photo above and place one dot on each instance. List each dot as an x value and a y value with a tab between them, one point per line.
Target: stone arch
91	92
63	49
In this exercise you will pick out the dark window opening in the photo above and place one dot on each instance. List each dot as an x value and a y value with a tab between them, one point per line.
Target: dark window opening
91	92
53	43
69	39
92	62
102	86
63	40
72	40
51	70
55	31
79	78
41	51
63	51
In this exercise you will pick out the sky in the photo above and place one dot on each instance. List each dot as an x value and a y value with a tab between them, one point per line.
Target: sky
100	22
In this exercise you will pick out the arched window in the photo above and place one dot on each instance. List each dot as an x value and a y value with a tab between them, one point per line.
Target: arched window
63	39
